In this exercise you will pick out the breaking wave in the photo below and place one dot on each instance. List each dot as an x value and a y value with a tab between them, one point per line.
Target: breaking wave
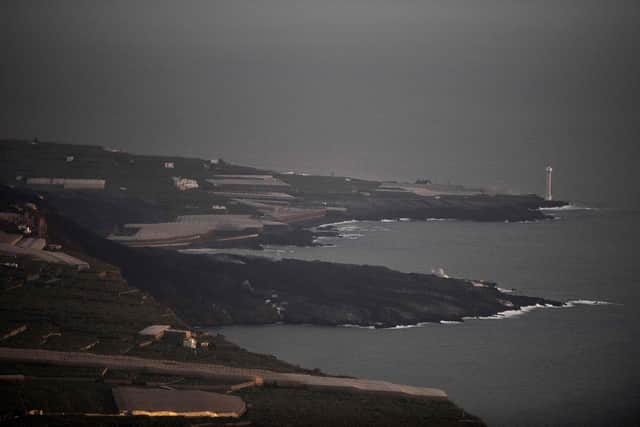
337	224
507	314
349	325
568	207
417	325
573	303
351	236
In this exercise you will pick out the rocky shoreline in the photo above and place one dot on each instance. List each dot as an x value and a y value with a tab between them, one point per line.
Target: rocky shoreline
214	291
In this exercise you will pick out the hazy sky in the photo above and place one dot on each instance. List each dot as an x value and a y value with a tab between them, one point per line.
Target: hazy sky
468	91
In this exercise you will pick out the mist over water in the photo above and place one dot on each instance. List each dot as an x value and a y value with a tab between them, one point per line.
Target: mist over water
482	93
567	366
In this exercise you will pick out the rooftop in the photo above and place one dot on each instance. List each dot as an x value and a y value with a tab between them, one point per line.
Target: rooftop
189	403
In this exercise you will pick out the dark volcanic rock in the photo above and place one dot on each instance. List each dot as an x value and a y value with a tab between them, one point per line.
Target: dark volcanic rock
208	291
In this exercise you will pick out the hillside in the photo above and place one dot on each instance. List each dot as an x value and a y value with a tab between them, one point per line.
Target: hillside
106	191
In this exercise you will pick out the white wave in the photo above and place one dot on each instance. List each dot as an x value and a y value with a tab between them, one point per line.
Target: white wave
573	303
568	207
505	291
351	236
439	219
404	219
349	325
388	220
507	313
349	228
525	309
479	284
199	251
336	224
416	325
498	316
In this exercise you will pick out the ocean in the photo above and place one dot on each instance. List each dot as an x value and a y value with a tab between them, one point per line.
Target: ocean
578	365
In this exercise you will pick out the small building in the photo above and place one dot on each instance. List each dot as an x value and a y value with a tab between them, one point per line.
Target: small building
184	184
69	159
169	165
190	343
155	331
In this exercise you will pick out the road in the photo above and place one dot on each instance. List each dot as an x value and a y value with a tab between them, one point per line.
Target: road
200	370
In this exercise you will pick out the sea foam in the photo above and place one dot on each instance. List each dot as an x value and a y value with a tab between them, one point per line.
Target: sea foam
336	224
569	207
349	325
573	303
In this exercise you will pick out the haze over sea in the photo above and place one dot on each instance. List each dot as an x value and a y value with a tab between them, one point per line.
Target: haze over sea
568	366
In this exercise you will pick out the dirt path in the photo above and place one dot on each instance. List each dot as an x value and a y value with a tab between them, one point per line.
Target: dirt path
199	370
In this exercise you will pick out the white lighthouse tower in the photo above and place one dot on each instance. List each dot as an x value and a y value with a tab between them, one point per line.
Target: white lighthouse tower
549	195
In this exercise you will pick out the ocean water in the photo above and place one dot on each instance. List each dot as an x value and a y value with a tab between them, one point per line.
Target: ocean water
562	366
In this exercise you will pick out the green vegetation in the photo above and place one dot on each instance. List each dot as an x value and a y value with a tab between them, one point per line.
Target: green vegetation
276	406
57	397
97	310
65	309
267	406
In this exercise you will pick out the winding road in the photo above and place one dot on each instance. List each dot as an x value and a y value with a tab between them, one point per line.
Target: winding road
201	370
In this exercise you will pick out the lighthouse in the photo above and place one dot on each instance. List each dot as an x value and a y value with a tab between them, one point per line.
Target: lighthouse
549	195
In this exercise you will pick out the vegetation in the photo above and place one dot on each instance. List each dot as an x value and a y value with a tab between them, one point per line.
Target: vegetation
71	310
270	405
276	406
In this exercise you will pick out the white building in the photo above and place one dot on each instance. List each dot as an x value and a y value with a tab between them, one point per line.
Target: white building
184	184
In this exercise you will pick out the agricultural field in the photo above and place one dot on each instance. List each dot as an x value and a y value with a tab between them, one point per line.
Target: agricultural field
96	310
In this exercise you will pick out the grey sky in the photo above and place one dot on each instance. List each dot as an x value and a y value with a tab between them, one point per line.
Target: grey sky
482	91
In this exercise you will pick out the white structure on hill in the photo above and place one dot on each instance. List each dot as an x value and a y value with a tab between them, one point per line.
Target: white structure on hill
549	195
184	184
